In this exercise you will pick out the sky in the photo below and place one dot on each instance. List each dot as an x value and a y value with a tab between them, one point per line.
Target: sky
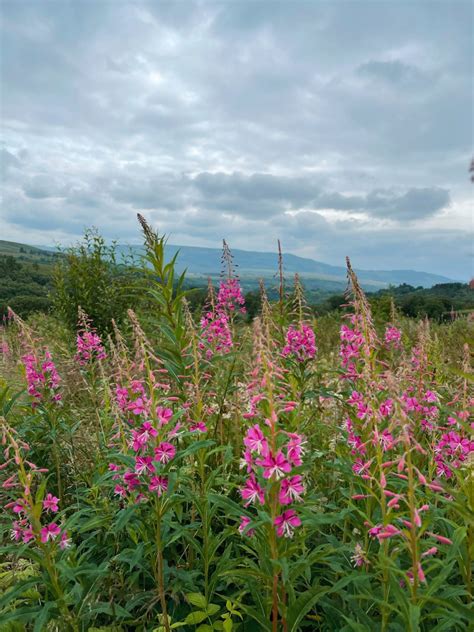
340	127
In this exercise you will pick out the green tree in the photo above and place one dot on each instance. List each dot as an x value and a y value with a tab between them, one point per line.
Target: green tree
88	275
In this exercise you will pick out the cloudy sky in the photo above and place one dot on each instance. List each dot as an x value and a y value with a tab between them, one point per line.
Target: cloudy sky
342	127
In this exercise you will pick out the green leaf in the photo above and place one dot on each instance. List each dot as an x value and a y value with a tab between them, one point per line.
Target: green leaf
414	617
212	608
299	609
196	617
196	599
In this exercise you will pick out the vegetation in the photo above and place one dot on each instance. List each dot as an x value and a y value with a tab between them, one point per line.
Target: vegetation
204	470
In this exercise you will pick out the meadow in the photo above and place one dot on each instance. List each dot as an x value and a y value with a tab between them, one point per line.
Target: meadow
182	469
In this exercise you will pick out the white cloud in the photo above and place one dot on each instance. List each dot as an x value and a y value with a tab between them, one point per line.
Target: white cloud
245	121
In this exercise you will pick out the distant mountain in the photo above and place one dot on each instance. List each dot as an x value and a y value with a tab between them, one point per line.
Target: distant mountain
207	262
203	262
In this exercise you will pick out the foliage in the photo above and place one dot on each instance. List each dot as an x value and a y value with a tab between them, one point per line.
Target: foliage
89	276
215	466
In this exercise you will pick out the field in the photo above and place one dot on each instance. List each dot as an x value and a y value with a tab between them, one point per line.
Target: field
181	468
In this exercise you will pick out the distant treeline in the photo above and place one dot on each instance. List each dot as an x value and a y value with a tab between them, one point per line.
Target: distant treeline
89	275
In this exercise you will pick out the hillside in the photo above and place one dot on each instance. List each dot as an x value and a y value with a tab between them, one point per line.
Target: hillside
316	274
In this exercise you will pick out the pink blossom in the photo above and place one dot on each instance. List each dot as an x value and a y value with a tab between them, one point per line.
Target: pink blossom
291	490
144	465
89	346
216	336
158	484
16	531
252	492
50	503
286	523
386	408
165	452
245	521
230	297
392	336
274	465
164	415
120	491
440	538
131	481
300	343
138	406
49	532
27	534
19	506
65	542
198	426
294	448
255	440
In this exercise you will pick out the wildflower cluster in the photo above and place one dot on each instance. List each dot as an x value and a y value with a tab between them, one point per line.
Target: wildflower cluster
33	513
216	336
271	453
42	377
149	439
89	347
300	343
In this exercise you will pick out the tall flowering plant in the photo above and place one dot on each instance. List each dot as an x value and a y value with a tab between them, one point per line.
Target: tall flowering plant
395	487
88	342
35	528
216	335
272	459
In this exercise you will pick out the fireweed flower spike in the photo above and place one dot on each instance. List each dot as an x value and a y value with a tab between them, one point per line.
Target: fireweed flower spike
42	377
300	343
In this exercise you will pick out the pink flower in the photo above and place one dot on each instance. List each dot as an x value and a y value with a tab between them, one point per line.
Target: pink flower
49	532
230	297
199	426
89	345
147	431
431	397
158	484
384	532
252	492
291	490
432	551
50	503
144	465
65	542
294	448
216	336
131	481
300	343
16	531
27	534
386	408
138	407
276	465
255	440
245	521
392	336
164	452
120	491
139	440
440	538
164	415
286	522
19	506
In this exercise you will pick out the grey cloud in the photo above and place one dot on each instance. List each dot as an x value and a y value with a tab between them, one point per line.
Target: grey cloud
393	71
8	161
414	204
218	118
